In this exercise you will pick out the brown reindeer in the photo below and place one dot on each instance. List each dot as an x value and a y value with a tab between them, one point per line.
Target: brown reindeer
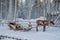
43	23
15	26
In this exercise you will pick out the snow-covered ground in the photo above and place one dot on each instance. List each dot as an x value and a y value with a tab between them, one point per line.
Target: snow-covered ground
51	33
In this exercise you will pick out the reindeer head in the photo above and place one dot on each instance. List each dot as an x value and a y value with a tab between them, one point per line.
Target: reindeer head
13	23
52	22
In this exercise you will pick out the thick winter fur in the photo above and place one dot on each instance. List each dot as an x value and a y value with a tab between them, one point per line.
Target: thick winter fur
43	23
15	26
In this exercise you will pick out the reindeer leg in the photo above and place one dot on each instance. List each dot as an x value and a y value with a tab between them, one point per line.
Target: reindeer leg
44	27
37	28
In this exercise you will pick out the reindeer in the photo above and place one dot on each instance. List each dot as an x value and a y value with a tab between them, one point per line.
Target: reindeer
15	26
43	23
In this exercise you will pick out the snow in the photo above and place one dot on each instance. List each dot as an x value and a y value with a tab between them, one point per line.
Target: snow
51	33
7	39
41	18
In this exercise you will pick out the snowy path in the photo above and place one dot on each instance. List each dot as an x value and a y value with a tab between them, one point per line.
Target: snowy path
52	33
